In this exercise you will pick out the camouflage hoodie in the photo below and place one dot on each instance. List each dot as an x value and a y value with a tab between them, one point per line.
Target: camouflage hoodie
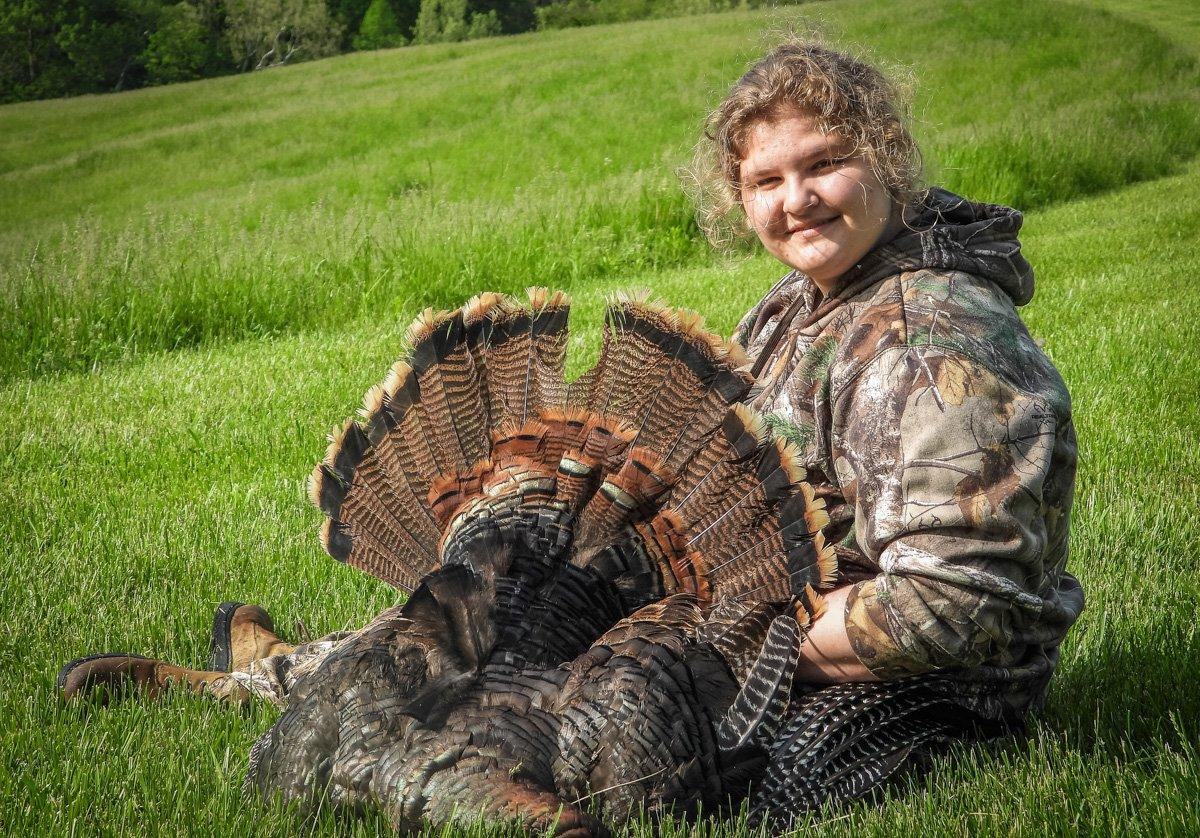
941	437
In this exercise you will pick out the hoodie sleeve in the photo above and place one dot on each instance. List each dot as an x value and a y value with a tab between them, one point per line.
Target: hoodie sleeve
961	485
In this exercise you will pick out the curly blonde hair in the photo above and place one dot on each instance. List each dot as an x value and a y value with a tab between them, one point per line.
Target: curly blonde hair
847	96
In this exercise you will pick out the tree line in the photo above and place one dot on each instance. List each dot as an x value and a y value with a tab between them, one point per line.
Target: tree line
54	48
64	47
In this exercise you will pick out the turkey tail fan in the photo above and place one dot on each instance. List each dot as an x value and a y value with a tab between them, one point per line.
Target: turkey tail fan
646	470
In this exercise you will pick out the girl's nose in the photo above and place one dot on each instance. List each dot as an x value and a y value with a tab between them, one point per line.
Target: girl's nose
798	196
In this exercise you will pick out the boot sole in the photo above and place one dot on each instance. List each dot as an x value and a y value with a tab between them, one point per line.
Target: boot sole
65	672
220	646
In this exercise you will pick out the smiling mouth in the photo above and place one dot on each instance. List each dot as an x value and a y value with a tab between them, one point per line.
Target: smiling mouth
807	230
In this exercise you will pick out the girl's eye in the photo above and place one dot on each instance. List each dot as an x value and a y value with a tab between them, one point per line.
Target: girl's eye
830	162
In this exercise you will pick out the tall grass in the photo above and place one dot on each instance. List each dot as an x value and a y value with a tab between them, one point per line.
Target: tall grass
167	284
368	184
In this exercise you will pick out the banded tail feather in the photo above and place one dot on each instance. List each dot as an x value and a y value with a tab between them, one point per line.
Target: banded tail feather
759	708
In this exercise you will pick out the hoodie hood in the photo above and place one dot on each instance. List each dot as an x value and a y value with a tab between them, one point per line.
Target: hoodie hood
949	232
943	232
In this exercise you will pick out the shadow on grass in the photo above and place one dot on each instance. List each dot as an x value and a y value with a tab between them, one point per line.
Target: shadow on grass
1143	696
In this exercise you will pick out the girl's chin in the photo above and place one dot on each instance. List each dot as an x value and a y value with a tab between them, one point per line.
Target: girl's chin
812	263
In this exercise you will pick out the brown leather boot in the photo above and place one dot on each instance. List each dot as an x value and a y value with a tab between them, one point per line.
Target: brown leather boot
114	673
241	634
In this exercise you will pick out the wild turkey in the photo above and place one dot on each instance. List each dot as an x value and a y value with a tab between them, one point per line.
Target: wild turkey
609	579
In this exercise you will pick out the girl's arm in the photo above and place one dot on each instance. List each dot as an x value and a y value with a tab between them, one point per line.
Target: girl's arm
826	656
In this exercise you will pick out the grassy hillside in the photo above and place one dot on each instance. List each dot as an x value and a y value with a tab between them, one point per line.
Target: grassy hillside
372	184
138	495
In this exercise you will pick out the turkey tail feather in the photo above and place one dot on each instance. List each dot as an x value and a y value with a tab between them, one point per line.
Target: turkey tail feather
759	708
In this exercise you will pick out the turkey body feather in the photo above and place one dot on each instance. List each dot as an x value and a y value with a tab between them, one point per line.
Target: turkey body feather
609	579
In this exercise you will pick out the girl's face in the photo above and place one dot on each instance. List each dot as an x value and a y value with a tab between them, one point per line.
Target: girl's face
815	204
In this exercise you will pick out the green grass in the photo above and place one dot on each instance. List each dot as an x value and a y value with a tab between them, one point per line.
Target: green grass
136	496
369	185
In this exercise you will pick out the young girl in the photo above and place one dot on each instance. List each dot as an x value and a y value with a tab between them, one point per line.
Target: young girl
935	429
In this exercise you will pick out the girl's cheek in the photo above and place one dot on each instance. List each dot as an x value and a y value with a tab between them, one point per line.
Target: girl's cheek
838	187
759	210
769	205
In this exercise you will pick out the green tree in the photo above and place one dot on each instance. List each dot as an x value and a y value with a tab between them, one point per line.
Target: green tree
267	33
454	20
441	20
177	50
379	28
484	25
348	14
103	41
32	65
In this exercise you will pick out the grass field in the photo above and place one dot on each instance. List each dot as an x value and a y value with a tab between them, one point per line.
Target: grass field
199	280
